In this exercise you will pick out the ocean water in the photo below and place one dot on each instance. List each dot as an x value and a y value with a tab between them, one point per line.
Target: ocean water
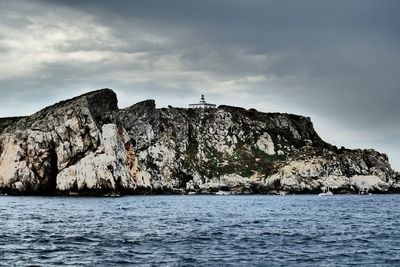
200	230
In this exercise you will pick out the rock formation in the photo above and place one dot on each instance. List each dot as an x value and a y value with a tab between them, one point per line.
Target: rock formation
86	145
5	122
75	146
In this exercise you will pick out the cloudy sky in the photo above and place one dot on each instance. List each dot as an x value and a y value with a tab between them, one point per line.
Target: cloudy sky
335	61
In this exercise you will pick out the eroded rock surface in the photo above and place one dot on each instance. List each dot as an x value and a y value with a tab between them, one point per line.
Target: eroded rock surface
6	122
245	151
75	146
86	145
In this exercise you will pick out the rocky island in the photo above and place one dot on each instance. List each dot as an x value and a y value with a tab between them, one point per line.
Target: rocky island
88	146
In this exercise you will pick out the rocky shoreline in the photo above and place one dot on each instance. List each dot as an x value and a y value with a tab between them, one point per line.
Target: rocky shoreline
88	146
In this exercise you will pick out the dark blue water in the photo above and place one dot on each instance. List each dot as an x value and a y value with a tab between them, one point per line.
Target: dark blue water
201	230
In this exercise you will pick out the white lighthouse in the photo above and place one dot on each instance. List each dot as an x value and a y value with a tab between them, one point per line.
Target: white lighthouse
202	104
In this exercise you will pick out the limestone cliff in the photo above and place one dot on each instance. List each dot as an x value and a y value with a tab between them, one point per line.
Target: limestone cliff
245	151
75	146
87	146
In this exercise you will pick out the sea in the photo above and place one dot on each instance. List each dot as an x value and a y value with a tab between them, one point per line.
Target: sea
201	230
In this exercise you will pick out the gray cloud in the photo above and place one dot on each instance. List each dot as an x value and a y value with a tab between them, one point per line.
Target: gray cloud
336	61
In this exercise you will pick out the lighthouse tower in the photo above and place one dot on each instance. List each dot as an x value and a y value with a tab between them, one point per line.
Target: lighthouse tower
202	104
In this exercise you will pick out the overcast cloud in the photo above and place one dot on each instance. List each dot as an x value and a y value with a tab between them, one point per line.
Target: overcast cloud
335	61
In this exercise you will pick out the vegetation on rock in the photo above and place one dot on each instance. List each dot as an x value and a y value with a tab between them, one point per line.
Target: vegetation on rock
86	145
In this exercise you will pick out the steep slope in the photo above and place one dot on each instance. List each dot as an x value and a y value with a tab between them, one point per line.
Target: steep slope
245	151
86	145
75	146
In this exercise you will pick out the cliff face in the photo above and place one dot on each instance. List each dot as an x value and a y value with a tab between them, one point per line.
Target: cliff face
87	146
75	146
245	151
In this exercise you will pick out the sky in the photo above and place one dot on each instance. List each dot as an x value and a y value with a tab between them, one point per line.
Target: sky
336	61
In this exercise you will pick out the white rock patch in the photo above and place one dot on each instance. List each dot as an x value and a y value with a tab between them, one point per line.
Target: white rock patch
100	169
369	182
266	144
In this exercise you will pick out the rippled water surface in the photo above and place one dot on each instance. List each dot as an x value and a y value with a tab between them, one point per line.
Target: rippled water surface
200	230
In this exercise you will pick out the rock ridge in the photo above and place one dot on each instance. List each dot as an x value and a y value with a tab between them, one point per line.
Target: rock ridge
88	146
73	147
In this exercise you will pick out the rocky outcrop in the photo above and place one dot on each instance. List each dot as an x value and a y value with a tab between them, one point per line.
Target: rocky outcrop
245	151
87	146
6	122
75	146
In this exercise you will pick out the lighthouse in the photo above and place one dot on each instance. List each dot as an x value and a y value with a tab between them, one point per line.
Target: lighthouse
202	104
